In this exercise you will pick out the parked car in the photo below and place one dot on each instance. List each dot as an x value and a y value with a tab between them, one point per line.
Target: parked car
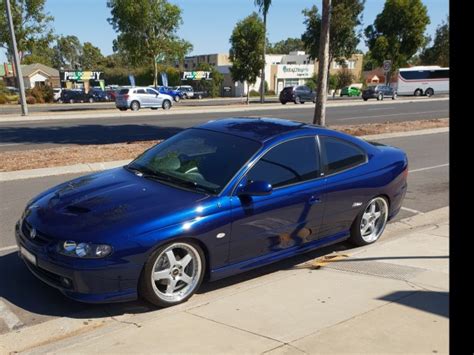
379	92
73	95
175	94
186	90
142	97
57	94
350	91
218	199
200	94
297	94
112	93
98	95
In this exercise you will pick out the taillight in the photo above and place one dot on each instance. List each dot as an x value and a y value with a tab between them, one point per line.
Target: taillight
125	97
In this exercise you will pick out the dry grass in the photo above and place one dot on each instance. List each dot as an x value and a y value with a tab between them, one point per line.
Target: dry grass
69	155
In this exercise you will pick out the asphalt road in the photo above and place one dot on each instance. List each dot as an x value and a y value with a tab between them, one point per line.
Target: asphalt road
16	109
25	301
50	133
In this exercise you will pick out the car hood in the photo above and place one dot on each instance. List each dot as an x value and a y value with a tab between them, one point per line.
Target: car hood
112	203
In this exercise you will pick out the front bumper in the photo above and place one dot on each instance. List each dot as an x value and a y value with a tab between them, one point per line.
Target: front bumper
100	282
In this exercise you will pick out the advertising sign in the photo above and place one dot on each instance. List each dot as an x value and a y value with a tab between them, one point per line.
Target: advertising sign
197	75
79	75
288	71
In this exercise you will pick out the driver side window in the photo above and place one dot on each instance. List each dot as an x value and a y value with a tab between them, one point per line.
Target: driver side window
290	162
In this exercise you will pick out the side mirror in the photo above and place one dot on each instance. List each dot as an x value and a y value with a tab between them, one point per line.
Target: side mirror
256	188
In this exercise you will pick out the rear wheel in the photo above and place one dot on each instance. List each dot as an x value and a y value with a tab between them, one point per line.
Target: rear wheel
176	98
297	100
135	105
283	102
418	92
71	101
365	99
429	92
394	96
172	274
370	222
166	105
199	96
91	99
380	97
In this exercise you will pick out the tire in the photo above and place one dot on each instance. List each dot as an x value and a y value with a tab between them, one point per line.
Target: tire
71	101
60	101
380	97
302	102
176	98
297	100
122	108
91	100
429	92
283	102
135	106
199	97
365	216
168	288
166	105
394	96
365	99
418	92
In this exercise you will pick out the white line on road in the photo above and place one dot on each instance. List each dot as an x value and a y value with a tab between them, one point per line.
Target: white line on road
10	319
428	168
411	210
392	114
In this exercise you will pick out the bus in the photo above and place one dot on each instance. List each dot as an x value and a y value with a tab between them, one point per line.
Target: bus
423	80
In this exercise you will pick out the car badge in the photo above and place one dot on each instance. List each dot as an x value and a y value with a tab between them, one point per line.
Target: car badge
33	233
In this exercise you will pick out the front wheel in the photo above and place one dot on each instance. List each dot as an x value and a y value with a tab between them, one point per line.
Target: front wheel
370	222
176	98
172	274
283	102
394	97
297	100
380	97
418	92
135	106
91	100
166	105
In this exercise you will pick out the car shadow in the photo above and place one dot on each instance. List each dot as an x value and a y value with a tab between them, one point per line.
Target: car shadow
435	302
85	134
23	290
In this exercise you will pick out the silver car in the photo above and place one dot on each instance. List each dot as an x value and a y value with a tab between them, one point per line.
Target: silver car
140	97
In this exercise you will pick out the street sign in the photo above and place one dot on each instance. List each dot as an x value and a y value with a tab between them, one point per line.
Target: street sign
387	65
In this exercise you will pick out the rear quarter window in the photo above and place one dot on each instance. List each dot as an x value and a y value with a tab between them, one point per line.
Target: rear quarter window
339	155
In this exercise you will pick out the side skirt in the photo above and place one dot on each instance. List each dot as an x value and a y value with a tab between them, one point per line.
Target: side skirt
267	259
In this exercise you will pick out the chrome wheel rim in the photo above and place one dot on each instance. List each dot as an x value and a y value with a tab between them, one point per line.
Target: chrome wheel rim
176	272
374	220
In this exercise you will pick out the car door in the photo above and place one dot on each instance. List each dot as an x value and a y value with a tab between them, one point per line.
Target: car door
307	93
291	215
154	98
343	165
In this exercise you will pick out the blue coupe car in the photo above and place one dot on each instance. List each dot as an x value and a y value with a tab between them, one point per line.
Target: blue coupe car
212	201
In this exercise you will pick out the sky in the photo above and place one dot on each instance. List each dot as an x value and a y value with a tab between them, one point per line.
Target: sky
208	24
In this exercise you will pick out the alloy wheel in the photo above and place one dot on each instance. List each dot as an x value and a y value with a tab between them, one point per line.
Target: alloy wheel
176	272
374	220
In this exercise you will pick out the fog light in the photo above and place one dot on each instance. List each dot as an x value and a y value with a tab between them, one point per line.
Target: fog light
66	282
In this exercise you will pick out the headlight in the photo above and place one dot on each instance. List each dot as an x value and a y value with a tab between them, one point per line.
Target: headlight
84	250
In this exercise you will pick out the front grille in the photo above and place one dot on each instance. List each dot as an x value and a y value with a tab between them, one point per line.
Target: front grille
40	239
45	275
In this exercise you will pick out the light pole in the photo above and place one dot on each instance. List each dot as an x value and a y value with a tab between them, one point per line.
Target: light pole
16	61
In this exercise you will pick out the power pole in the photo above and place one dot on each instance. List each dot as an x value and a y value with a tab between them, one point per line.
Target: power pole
323	68
16	61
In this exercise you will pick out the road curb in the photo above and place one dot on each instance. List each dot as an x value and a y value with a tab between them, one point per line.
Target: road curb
198	109
92	167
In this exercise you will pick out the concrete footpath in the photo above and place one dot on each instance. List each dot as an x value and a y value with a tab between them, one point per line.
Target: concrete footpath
389	297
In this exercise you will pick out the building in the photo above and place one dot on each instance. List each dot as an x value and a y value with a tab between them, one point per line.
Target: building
33	75
376	76
216	59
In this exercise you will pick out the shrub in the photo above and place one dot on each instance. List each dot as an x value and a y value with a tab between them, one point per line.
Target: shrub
271	92
30	100
254	93
3	99
42	94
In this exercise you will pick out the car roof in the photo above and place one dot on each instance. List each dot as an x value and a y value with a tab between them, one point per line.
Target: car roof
260	129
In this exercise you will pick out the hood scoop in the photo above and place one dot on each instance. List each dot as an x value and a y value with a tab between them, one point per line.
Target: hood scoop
77	209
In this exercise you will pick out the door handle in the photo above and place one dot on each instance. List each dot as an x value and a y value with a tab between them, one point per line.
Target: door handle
314	199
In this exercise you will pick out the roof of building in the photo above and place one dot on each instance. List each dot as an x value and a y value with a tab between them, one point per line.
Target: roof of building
30	69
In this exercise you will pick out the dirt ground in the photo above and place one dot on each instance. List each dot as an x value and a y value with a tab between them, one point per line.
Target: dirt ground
70	155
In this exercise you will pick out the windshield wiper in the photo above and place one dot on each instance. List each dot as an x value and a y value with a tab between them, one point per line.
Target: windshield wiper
194	184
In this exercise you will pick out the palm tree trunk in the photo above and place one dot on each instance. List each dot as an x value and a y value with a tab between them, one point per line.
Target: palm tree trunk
321	95
262	81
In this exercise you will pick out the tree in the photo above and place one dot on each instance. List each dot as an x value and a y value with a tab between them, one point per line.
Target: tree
147	31
212	86
91	57
67	52
398	32
344	77
346	16
246	50
263	6
40	52
31	25
285	46
438	53
323	73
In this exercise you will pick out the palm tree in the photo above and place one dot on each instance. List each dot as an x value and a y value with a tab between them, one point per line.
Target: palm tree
263	6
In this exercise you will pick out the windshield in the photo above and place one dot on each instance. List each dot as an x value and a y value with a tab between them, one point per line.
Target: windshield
196	159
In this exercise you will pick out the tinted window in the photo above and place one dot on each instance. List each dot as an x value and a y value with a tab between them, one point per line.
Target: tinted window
288	163
340	155
123	92
151	92
425	74
201	158
140	91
